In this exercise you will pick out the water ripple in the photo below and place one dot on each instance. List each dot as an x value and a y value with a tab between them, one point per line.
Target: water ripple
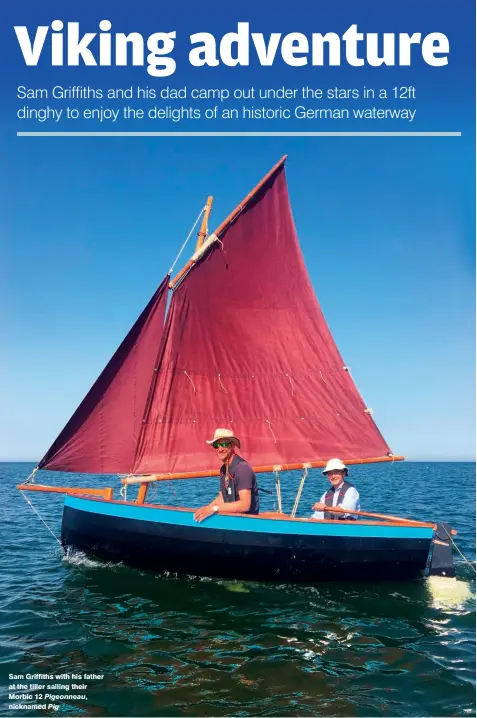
191	646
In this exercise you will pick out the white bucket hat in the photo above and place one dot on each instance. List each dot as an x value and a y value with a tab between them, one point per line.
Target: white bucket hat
224	434
335	465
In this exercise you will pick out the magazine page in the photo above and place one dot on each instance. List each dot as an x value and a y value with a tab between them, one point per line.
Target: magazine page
238	431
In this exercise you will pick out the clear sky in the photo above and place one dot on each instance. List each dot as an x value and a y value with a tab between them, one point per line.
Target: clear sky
386	226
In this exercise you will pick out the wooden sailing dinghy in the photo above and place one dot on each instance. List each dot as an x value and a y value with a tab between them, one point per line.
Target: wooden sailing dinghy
243	344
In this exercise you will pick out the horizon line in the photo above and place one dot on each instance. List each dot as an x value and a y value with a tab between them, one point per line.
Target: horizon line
408	461
237	134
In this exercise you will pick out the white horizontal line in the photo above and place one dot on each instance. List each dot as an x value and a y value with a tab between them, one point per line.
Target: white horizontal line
239	134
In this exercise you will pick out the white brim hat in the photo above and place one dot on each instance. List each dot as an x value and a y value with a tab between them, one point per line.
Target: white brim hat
335	465
224	434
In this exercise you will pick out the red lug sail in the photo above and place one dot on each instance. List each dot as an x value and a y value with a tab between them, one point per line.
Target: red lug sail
246	347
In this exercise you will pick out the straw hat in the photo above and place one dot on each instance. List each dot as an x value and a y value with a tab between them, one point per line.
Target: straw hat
335	465
224	434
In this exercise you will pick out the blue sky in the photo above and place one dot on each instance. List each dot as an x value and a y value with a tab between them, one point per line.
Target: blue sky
386	227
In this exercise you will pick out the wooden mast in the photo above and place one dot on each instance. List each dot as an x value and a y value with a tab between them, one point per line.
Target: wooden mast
202	234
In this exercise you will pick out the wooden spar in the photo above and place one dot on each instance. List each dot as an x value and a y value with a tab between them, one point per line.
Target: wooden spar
104	493
230	219
257	469
203	227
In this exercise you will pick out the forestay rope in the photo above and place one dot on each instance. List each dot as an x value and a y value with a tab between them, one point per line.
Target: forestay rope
41	519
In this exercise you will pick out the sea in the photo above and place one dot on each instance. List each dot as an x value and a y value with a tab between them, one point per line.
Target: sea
142	644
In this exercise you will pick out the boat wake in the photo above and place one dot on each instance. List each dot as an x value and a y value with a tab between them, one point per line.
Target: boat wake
73	557
448	592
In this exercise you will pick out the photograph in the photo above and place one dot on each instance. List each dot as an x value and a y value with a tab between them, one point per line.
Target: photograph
238	430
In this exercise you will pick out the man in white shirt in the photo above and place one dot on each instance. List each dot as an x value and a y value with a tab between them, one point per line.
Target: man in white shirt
341	493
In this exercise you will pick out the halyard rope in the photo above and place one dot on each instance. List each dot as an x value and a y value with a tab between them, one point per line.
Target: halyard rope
188	237
458	549
41	519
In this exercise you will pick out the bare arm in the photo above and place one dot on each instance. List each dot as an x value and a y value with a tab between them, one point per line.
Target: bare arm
233	507
238	507
320	505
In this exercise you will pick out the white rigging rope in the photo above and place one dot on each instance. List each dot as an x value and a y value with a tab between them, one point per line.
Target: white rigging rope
187	239
270	427
278	488
458	549
223	387
298	495
31	478
41	519
193	386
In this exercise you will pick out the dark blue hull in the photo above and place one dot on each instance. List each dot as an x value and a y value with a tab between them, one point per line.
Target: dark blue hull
242	547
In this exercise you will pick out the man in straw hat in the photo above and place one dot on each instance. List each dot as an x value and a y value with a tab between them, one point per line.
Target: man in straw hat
341	493
238	492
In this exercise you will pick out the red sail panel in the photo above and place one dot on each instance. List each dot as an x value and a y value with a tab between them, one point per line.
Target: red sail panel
246	347
102	434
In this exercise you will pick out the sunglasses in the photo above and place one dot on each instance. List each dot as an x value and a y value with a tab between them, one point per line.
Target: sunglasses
222	444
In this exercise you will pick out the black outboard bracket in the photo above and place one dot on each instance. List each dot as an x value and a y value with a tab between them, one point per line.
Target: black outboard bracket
442	563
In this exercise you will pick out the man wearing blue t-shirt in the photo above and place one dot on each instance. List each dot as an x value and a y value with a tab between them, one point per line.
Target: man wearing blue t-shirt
238	485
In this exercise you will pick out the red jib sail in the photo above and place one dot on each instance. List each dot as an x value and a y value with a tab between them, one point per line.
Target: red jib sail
246	347
102	434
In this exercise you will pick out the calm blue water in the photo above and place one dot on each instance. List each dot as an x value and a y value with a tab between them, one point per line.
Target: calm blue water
170	646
